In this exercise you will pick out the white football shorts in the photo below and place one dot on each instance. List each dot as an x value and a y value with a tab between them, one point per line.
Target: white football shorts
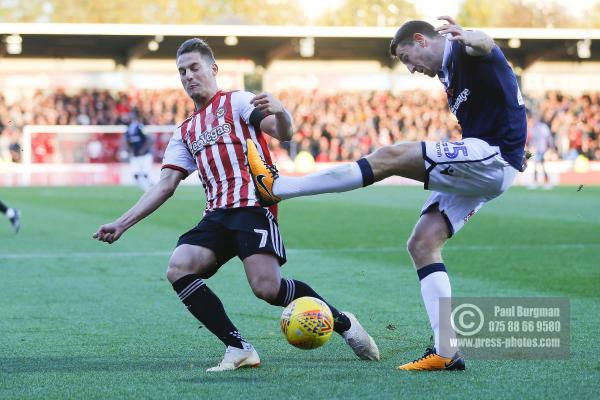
463	176
141	164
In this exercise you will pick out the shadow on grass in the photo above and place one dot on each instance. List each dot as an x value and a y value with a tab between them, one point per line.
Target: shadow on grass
15	365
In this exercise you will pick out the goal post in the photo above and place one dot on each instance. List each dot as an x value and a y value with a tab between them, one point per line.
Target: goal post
66	155
65	140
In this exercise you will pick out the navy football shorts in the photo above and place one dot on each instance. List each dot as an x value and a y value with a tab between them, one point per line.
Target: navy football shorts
237	231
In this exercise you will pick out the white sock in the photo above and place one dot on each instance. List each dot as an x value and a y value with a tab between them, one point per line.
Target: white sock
333	180
434	286
10	213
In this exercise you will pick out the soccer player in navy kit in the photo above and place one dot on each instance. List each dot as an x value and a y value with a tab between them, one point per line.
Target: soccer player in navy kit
140	155
484	95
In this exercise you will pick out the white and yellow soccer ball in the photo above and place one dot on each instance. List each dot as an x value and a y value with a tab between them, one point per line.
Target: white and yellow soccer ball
307	323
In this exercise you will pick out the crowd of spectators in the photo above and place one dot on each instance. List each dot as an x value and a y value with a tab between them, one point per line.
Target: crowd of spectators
331	127
574	122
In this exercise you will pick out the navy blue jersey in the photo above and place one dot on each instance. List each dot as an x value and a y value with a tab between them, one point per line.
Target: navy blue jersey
484	95
137	139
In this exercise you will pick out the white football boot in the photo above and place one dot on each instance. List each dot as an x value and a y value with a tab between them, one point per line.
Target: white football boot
359	340
235	358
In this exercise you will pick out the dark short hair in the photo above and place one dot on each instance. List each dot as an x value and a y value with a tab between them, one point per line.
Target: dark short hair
405	33
198	45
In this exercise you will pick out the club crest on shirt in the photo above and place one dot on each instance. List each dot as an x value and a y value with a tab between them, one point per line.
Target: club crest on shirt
210	118
207	138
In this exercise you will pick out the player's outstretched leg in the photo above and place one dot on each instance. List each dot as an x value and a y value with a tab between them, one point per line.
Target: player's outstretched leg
208	309
404	159
272	188
345	323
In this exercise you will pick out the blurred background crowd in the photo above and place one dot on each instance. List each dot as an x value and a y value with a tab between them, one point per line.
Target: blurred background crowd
332	127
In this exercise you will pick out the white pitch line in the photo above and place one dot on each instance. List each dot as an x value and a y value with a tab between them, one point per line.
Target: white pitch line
349	250
85	254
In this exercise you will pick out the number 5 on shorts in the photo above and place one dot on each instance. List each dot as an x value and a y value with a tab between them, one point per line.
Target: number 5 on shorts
263	239
457	147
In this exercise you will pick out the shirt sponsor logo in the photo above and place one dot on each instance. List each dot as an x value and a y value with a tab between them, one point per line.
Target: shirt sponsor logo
461	98
208	138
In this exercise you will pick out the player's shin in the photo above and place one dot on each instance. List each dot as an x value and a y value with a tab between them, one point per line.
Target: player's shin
333	180
290	290
435	284
208	309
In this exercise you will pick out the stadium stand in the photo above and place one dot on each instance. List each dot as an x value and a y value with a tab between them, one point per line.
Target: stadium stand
332	127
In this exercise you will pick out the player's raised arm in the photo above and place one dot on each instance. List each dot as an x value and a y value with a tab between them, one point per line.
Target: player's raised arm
477	43
278	121
146	205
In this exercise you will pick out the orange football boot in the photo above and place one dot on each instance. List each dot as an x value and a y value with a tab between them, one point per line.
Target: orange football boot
434	362
263	175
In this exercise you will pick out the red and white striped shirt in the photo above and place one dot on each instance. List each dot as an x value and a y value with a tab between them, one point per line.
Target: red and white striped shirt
213	142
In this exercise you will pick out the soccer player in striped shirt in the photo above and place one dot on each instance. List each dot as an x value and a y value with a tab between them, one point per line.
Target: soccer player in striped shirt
212	141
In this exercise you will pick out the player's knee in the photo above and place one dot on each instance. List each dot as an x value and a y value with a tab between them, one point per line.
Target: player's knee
265	289
178	268
419	245
386	159
385	155
172	274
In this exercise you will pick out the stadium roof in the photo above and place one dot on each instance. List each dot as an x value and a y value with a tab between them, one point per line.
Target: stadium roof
263	44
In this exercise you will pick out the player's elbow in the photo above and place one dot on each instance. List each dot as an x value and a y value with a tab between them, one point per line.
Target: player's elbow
283	135
481	44
487	45
490	46
286	136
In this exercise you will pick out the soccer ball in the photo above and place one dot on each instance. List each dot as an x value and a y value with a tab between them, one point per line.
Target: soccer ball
307	323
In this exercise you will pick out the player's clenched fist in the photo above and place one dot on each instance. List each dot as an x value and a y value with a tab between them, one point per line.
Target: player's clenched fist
109	233
266	103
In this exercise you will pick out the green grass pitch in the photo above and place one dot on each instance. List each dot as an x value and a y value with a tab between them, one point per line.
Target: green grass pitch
82	319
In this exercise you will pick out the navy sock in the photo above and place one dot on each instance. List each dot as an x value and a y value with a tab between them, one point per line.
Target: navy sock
208	309
430	269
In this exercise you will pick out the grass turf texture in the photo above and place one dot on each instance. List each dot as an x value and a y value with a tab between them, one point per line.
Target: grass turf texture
83	319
